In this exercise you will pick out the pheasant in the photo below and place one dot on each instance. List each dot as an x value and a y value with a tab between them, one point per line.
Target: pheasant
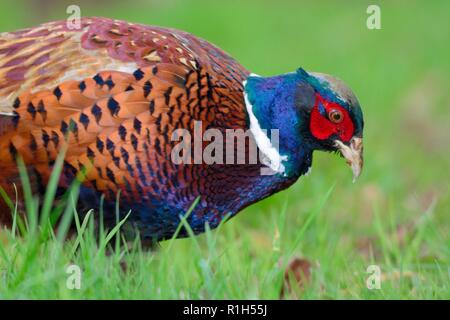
113	94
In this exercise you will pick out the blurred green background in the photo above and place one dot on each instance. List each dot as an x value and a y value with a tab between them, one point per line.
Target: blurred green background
401	75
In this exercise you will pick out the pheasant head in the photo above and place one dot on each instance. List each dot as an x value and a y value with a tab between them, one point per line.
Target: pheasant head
312	111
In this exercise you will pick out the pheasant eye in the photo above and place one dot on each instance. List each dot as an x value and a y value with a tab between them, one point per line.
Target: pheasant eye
335	116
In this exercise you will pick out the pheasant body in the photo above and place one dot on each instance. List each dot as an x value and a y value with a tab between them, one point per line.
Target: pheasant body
112	94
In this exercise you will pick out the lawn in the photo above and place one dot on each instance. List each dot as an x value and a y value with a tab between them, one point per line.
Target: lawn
396	217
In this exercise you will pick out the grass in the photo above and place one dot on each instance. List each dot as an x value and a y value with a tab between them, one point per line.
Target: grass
219	264
395	216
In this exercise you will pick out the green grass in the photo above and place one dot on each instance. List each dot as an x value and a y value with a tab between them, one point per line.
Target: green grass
395	216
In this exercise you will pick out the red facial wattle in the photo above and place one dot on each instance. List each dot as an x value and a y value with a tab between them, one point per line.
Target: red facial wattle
322	127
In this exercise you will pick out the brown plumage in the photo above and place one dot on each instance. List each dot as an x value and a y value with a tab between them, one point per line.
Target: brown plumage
114	92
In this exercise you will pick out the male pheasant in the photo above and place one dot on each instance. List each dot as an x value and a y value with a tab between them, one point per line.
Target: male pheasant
115	93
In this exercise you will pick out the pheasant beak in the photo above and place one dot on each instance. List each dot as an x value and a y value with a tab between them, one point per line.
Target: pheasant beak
353	153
